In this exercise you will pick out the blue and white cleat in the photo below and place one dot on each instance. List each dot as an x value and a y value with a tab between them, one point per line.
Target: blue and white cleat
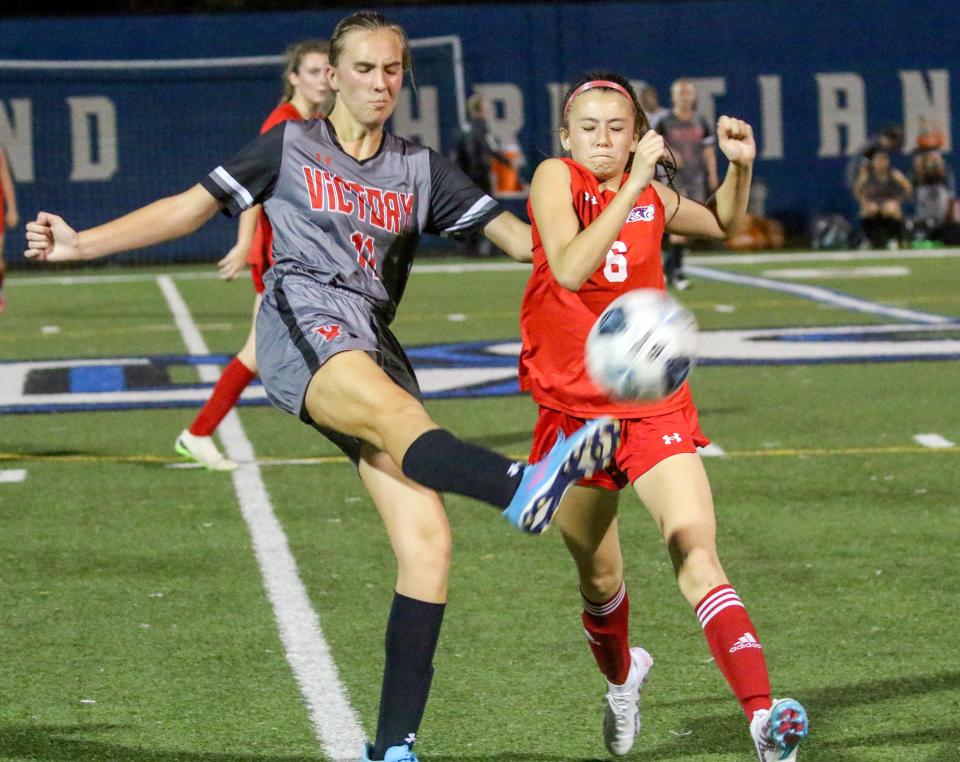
400	753
778	731
588	450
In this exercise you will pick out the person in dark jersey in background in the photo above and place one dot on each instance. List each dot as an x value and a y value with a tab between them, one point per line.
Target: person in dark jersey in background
692	142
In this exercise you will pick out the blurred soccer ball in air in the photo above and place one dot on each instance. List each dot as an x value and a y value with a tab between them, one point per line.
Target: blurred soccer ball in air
643	346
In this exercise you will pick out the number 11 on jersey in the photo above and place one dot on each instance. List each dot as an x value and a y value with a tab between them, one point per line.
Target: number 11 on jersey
365	255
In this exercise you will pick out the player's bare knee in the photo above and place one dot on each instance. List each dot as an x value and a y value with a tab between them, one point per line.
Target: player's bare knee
428	549
690	554
599	585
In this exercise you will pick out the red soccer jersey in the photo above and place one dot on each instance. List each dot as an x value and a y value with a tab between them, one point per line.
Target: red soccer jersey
261	248
554	322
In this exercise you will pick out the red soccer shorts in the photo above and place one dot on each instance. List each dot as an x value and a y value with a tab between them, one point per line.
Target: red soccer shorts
644	442
256	275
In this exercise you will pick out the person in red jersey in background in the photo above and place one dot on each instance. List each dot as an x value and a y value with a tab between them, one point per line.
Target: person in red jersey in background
597	231
8	216
306	95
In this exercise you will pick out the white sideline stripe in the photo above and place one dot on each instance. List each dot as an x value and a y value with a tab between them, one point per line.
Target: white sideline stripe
712	450
334	719
822	295
139	63
828	273
473	267
13	475
821	256
933	441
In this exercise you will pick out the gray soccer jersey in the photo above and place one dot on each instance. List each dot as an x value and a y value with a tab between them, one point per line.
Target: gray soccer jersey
688	138
347	223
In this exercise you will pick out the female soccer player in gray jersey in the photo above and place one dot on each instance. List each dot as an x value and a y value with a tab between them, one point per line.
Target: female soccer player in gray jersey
347	202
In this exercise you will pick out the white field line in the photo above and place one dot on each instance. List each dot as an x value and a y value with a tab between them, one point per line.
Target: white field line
832	273
504	266
933	441
712	450
13	475
821	295
334	719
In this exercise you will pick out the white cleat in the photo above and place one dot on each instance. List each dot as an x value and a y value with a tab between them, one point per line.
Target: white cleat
621	718
203	451
778	731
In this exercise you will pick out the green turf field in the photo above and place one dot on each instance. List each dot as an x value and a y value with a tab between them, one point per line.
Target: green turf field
136	625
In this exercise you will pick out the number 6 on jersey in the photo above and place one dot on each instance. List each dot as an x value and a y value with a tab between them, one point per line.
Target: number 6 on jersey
615	269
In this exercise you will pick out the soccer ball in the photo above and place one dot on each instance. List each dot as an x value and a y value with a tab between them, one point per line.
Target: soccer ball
643	346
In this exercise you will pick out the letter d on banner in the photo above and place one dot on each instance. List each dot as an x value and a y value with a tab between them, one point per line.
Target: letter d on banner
93	129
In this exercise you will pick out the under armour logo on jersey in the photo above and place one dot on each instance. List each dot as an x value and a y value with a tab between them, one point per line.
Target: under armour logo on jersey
329	332
641	214
674	437
591	199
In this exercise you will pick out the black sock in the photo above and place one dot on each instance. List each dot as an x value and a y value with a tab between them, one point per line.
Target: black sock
440	461
412	632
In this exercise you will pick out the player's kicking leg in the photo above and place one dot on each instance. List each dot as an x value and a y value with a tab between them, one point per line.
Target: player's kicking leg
586	451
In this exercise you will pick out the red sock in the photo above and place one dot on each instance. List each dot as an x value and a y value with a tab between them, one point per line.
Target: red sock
234	379
735	647
606	627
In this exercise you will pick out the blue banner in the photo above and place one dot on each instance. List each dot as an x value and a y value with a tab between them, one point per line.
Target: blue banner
132	120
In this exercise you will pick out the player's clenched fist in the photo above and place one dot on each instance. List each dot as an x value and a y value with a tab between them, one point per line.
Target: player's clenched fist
735	138
648	152
50	239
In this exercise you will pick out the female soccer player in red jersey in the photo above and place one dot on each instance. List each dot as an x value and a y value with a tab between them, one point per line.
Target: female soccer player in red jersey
9	218
597	228
347	202
306	95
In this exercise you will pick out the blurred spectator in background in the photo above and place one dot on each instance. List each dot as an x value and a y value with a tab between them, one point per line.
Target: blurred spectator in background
8	216
476	150
650	103
934	188
691	141
880	191
890	141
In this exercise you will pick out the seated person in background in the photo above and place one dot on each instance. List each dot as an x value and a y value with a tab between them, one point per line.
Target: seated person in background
881	190
934	190
889	140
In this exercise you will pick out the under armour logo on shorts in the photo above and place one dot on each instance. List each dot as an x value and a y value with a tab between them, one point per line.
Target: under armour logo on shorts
328	332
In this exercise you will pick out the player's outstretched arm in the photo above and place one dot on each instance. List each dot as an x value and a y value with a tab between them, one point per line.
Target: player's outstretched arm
510	233
235	260
50	238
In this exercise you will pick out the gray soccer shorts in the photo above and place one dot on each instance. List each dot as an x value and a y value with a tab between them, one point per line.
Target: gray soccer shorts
302	324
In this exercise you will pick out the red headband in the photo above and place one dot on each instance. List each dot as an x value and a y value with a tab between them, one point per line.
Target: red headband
589	86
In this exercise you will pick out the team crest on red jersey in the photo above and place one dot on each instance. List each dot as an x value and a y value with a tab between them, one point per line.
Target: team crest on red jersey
329	332
641	213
